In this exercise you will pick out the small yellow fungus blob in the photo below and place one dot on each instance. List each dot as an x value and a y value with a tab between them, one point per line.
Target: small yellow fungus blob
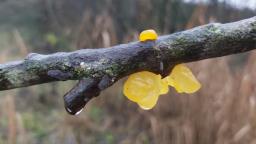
144	88
183	80
148	35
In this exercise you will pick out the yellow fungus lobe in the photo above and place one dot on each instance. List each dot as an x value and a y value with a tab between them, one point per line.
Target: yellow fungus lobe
144	88
148	35
183	80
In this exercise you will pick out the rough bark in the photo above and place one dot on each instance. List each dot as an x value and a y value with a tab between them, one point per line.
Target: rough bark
98	69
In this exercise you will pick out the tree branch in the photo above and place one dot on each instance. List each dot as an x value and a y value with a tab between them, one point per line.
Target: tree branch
98	69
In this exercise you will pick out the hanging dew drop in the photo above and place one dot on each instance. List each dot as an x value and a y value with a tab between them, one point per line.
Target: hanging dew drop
69	110
77	113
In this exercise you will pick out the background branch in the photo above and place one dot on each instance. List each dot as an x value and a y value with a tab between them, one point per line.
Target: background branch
102	67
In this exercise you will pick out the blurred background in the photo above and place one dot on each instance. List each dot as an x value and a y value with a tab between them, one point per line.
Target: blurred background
222	112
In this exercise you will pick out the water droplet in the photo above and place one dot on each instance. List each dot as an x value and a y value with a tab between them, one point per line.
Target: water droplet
69	110
77	113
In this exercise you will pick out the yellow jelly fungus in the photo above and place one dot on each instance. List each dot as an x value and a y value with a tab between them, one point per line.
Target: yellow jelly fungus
183	80
148	35
148	102
144	88
164	86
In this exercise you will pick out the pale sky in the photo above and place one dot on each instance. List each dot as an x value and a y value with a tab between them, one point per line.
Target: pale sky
236	3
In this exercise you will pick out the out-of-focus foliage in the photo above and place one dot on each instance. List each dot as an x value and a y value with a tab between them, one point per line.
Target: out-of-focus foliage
223	111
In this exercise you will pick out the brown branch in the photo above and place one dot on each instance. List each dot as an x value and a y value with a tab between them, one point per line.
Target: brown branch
100	68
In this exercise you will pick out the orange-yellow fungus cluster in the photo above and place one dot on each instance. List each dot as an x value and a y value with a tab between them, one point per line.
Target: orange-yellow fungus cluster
145	87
